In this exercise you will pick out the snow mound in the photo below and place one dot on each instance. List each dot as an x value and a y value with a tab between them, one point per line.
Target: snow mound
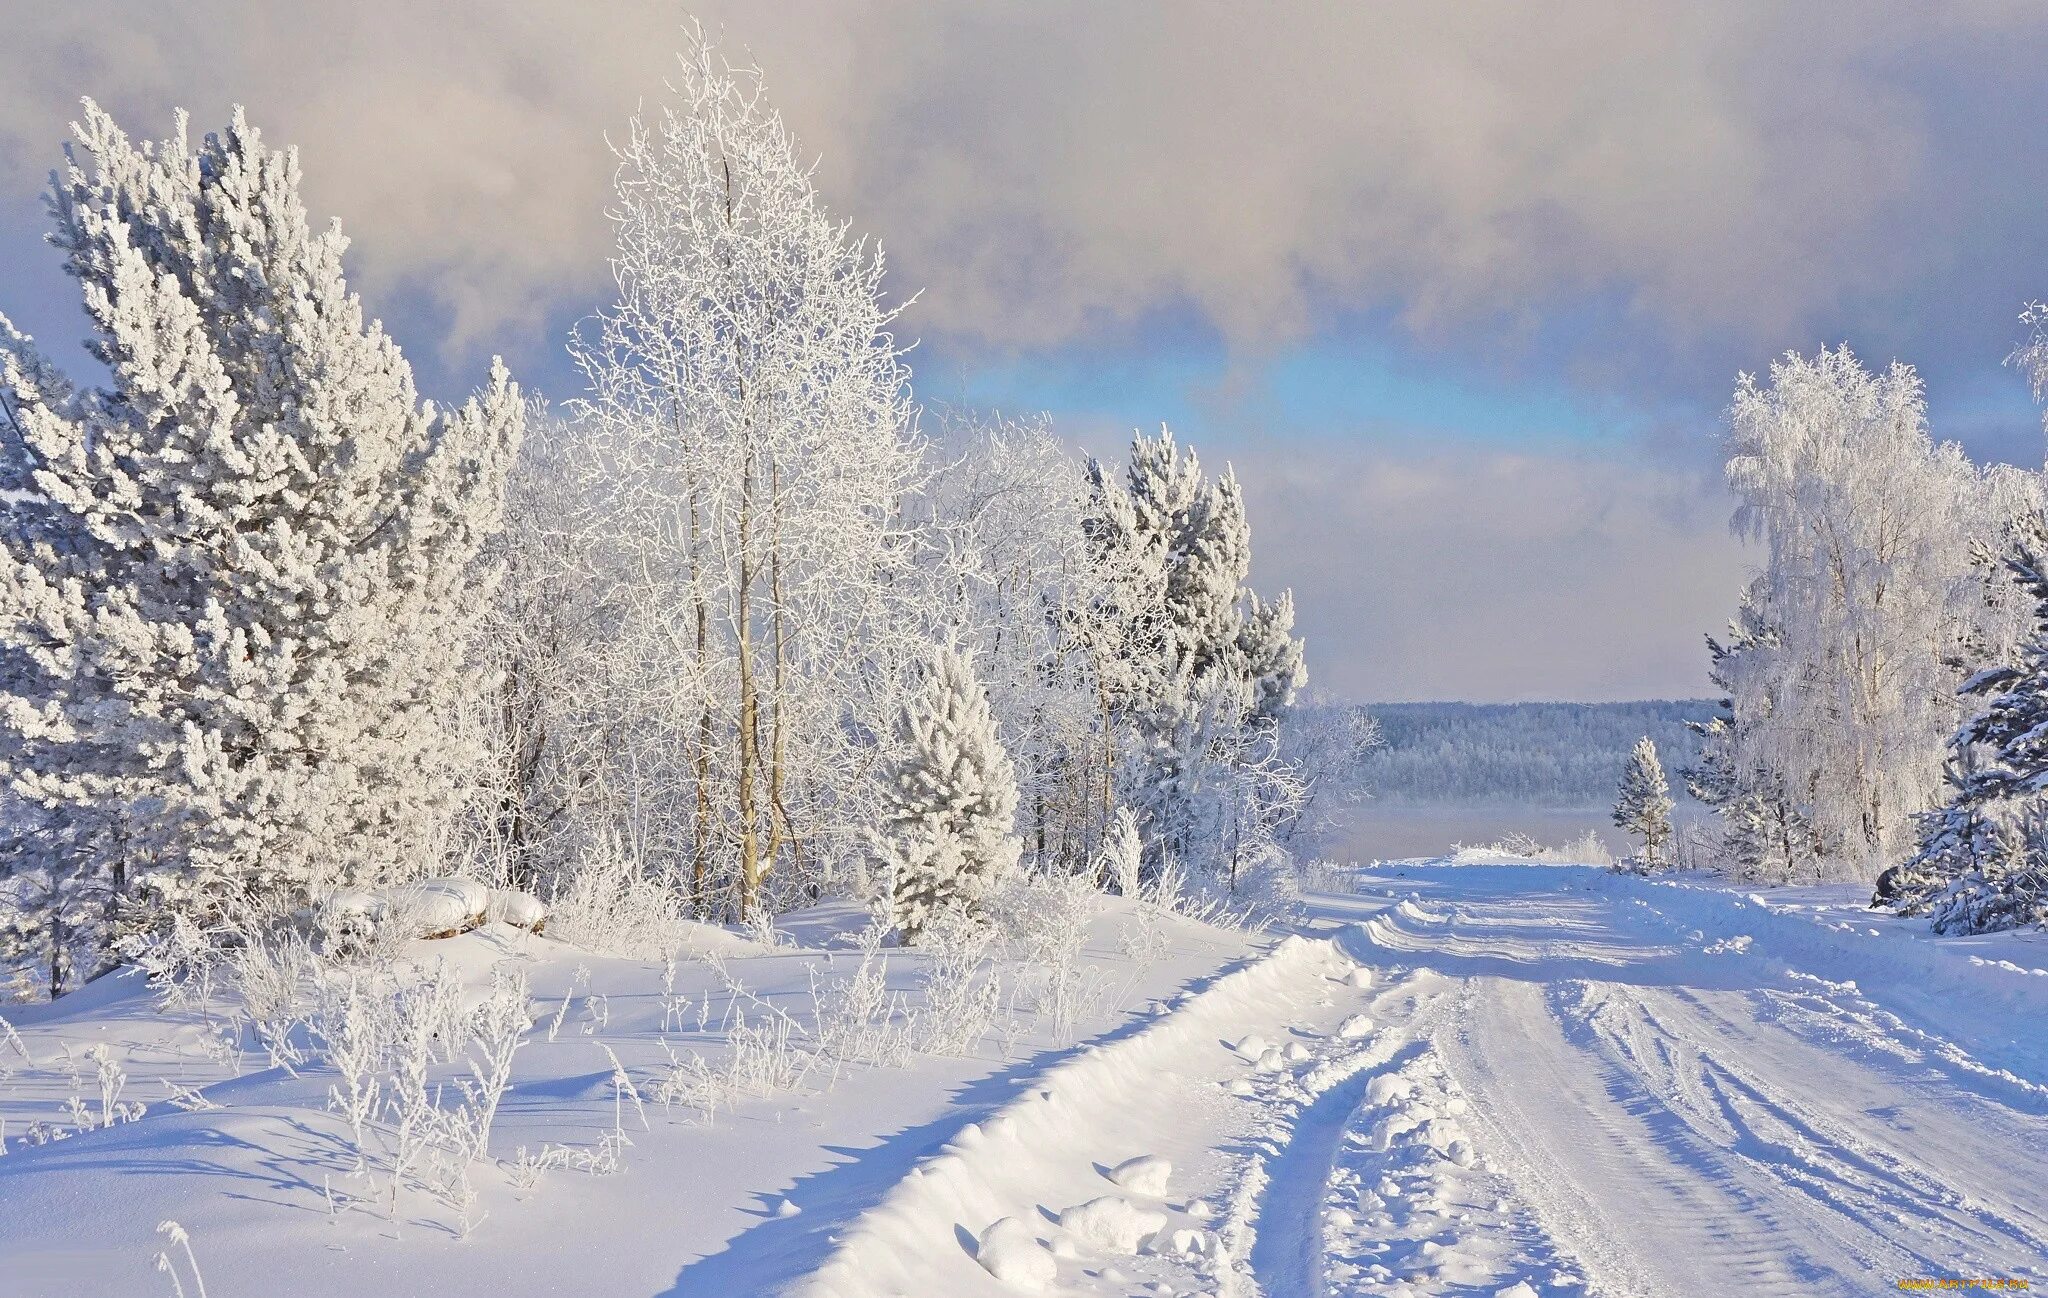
1010	1251
440	907
1360	977
519	909
1388	1087
1147	1174
1355	1028
1112	1224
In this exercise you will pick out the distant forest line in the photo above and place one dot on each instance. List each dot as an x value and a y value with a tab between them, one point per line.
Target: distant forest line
1532	754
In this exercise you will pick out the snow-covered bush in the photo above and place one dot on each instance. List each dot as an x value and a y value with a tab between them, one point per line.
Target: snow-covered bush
961	993
1120	858
859	1019
607	905
1588	849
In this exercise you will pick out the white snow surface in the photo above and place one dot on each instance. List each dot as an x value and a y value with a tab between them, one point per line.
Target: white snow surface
1555	1081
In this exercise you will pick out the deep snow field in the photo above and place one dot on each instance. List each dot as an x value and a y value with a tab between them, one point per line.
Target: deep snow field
1496	1079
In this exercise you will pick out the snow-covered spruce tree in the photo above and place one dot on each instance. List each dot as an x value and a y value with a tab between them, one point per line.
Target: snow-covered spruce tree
1982	862
750	439
240	580
1195	673
1868	595
949	819
1642	805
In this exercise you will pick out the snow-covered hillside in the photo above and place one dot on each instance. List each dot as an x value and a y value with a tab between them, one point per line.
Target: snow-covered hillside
1493	1079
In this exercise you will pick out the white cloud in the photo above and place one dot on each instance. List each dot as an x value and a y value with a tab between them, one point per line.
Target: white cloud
1043	169
1475	573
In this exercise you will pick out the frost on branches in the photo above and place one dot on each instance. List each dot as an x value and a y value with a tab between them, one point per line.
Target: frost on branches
1983	858
1643	806
747	440
240	580
1009	558
949	820
1196	673
1841	670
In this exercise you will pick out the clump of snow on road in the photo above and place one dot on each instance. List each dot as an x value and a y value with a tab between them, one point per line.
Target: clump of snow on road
1012	1253
1147	1174
1111	1224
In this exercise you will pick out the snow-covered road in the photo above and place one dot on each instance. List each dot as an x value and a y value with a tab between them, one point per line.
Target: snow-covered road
1523	1081
1664	1111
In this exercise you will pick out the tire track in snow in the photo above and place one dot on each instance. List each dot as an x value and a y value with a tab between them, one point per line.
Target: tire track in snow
1175	1086
1667	1127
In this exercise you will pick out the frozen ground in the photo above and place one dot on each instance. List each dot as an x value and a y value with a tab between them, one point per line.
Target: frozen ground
1495	1080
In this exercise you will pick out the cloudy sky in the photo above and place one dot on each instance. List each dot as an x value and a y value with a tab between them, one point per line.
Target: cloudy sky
1460	289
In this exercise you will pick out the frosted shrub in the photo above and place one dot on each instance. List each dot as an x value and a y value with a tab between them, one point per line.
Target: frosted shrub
270	972
112	1080
1328	877
354	1029
1120	855
385	1042
1044	921
961	997
768	1055
1587	849
609	906
859	1019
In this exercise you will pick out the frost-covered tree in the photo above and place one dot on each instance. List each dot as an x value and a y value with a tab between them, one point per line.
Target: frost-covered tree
1194	672
749	440
949	818
1982	862
1843	697
1010	561
1642	805
1764	833
240	580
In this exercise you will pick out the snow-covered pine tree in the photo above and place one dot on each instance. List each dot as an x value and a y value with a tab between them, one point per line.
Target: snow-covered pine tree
949	822
1982	862
1197	672
1643	804
239	582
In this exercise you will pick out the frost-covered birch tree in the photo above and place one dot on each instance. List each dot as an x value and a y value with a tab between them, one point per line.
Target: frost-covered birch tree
1842	687
240	580
750	439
